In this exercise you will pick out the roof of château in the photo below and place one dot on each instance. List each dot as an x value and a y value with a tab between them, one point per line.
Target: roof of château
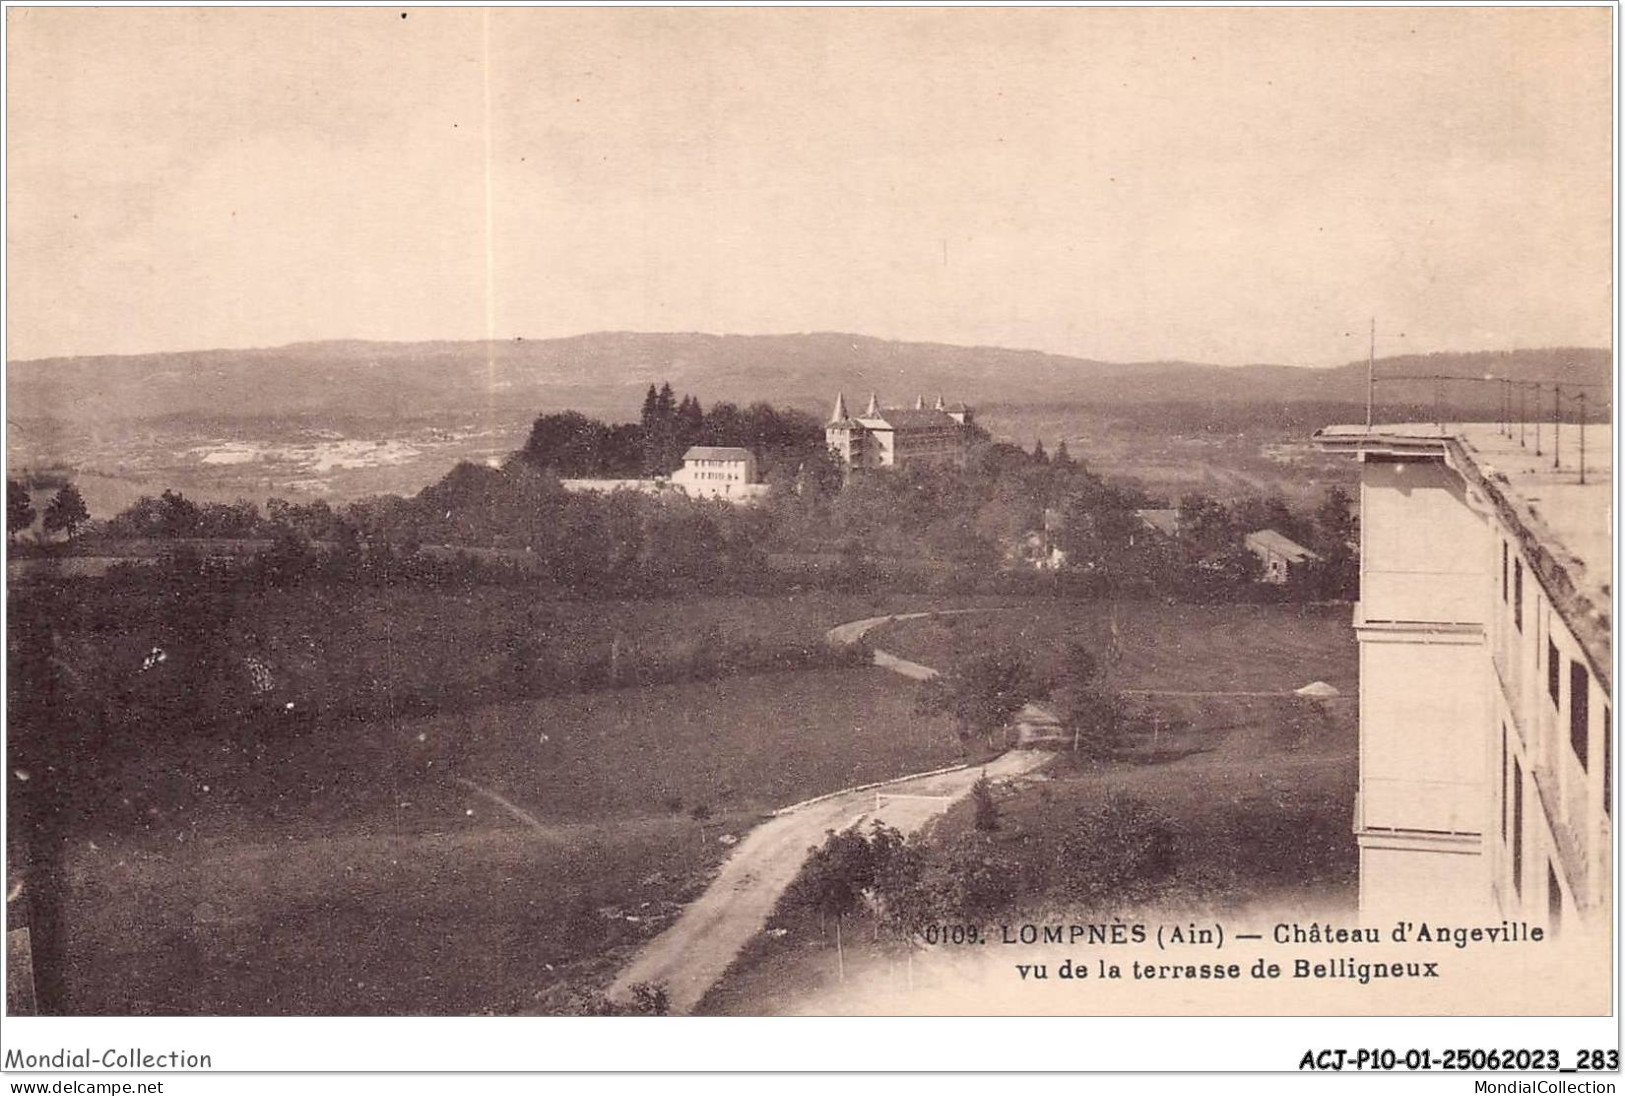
909	418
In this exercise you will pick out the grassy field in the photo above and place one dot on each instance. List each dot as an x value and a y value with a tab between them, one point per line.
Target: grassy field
326	646
347	669
370	868
335	642
1258	791
388	885
481	918
735	744
1231	648
333	648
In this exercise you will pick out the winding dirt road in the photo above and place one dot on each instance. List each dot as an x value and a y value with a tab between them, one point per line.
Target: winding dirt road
690	956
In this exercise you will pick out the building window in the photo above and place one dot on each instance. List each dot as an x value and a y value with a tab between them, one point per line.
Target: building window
1503	571
1554	674
1517	594
1580	712
1554	900
1517	828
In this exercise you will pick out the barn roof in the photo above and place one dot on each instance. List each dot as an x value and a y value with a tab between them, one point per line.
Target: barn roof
1164	521
1269	539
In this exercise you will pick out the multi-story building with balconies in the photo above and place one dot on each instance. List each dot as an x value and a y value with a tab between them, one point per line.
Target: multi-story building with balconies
1485	629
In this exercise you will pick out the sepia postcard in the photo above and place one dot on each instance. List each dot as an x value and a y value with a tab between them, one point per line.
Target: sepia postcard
809	512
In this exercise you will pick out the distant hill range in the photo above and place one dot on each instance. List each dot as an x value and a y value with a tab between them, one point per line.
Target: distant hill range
606	374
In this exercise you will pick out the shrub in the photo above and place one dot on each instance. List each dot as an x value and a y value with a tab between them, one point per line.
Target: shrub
987	811
976	879
851	870
647	999
1119	852
833	880
1097	722
982	694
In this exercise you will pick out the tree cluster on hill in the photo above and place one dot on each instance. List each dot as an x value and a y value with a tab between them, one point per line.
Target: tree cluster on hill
65	513
20	512
173	516
574	446
514	524
962	518
941	528
1211	533
976	523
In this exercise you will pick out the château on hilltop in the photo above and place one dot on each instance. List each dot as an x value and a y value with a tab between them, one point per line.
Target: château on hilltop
897	437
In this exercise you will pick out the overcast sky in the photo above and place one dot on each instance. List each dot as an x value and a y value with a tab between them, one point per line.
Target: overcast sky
1226	186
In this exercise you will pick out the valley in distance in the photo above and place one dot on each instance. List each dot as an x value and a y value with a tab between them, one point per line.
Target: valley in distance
346	419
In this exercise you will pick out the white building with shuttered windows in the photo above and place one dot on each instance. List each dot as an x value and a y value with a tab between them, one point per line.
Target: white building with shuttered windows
719	472
1485	630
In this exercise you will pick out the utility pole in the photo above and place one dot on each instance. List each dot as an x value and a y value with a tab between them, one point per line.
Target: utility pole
1537	419
1557	426
1582	436
1370	374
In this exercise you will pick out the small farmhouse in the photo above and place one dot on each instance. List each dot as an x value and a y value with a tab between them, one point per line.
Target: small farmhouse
1164	522
1038	548
1280	555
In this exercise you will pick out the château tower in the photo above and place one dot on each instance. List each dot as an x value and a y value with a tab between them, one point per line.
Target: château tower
897	437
